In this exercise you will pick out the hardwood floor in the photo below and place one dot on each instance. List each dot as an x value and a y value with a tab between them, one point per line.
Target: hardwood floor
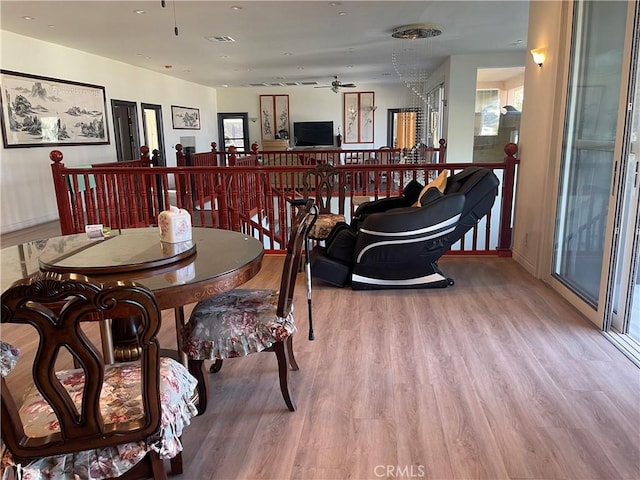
46	230
496	377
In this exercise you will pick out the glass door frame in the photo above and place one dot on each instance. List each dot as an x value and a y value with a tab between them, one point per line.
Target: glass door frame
624	288
597	314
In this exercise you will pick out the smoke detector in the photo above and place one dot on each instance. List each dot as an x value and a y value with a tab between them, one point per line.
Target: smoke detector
417	30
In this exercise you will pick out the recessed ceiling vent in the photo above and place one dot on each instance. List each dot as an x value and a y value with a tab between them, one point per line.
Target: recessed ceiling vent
220	38
417	30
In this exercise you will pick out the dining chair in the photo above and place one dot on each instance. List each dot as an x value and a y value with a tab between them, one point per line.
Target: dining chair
91	420
323	184
245	321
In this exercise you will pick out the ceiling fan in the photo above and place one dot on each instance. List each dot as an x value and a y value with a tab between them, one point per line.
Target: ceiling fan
336	85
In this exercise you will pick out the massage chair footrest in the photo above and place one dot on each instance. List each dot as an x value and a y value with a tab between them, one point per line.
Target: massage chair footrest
328	269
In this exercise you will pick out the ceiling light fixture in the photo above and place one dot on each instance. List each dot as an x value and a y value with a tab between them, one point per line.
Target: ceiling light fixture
417	30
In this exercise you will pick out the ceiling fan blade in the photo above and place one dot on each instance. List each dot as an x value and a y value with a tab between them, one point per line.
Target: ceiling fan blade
324	86
348	85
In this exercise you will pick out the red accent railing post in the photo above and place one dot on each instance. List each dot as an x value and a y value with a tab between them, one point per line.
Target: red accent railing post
180	160
144	153
62	193
442	154
232	155
508	183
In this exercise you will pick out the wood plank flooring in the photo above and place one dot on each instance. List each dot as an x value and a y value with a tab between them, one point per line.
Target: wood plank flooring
494	378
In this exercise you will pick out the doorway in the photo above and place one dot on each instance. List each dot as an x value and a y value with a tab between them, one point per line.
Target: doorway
403	127
153	131
125	124
234	130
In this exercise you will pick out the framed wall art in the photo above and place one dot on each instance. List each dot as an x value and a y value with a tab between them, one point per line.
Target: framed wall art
185	118
274	117
42	112
359	109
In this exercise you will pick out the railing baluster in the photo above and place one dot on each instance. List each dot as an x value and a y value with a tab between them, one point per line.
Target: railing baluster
252	197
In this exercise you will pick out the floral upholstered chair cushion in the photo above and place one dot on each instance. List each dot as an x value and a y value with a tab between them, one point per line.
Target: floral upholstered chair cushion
8	358
120	402
324	224
235	324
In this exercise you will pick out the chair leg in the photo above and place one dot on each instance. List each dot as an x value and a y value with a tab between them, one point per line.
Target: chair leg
157	466
283	372
176	464
292	359
196	368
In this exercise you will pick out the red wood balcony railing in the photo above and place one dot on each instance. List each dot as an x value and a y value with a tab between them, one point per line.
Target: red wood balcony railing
253	197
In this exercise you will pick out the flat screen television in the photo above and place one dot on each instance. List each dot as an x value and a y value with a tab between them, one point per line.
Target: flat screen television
312	134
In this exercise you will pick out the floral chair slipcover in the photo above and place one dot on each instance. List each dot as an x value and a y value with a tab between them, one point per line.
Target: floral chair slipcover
121	403
235	324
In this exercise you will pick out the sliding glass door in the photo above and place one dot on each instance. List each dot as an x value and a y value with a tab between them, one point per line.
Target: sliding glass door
625	304
589	155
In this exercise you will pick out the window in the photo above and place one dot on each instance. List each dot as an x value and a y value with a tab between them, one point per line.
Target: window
487	112
234	130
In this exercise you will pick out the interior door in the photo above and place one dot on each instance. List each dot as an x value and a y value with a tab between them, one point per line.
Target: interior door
234	130
153	131
125	124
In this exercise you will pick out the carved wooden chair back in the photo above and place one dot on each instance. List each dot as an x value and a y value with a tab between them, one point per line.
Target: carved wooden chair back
322	184
58	308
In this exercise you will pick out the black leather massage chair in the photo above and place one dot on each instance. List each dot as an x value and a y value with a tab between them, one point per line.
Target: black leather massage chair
391	243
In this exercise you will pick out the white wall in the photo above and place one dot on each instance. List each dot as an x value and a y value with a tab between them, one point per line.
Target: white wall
541	119
26	190
309	104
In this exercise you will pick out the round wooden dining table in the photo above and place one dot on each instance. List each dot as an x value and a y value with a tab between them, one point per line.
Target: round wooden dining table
212	262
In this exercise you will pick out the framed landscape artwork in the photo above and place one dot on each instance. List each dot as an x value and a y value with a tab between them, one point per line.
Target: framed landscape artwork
41	111
185	118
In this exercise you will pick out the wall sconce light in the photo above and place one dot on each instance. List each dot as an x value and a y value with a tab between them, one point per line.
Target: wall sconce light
539	55
253	119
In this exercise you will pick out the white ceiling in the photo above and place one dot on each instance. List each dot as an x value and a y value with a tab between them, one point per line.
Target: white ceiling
276	42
